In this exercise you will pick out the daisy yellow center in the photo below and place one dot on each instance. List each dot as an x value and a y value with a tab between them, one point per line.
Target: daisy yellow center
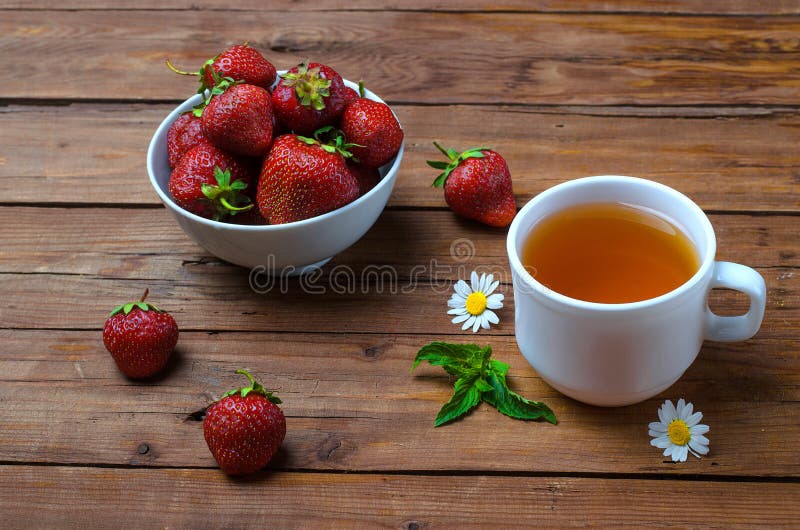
678	432
476	303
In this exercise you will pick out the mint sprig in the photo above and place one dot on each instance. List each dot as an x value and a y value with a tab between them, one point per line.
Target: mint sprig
479	378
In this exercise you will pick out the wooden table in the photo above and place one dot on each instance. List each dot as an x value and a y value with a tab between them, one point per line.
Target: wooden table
700	95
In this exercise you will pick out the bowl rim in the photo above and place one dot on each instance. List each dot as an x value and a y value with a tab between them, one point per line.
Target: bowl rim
165	197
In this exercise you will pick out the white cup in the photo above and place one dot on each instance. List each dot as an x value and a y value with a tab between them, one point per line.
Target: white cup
620	354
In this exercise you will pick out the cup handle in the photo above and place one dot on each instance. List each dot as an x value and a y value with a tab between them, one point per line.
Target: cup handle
745	280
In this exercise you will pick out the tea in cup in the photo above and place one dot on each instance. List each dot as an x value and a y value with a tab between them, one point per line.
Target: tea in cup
611	277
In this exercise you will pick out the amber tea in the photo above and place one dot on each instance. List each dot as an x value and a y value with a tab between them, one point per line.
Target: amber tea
609	253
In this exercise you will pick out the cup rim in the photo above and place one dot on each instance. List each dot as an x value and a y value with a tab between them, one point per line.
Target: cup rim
542	290
167	199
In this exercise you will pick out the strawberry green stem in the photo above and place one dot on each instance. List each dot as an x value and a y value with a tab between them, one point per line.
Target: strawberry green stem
141	304
442	149
255	387
180	72
454	160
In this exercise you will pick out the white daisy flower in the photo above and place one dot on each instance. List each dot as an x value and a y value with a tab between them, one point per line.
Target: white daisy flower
679	432
473	304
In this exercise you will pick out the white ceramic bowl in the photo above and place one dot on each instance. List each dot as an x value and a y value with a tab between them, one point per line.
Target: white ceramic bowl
291	248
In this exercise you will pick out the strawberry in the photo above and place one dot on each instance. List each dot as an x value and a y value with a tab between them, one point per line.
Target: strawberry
477	185
303	178
373	130
184	133
238	63
245	428
367	177
308	97
140	337
210	183
239	120
350	96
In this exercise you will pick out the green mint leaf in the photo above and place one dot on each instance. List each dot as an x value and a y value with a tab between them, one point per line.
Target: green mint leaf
499	367
512	404
465	397
482	385
458	357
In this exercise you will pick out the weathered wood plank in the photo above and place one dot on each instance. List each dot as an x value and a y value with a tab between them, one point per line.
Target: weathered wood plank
339	303
97	152
714	7
191	498
525	58
353	405
447	246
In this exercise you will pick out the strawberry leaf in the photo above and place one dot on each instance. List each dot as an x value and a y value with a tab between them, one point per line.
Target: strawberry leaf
454	160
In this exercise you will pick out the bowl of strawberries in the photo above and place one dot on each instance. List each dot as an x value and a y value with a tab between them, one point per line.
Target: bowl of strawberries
278	170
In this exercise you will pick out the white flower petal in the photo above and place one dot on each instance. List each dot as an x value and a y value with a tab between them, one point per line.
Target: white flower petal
460	318
456	302
487	281
491	316
462	288
662	415
484	321
668	450
458	311
661	442
494	301
476	326
698	429
491	287
470	320
669	411
698	447
679	408
687	411
682	452
699	438
474	281
694	419
657	426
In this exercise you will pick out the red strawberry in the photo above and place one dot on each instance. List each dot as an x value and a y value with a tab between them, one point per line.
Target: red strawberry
210	183
239	120
140	338
184	133
477	185
367	177
301	178
350	96
373	130
245	428
309	96
238	63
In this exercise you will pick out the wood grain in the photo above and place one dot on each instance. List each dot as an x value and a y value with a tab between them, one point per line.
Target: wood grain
717	7
96	154
353	405
203	498
338	303
523	59
447	246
